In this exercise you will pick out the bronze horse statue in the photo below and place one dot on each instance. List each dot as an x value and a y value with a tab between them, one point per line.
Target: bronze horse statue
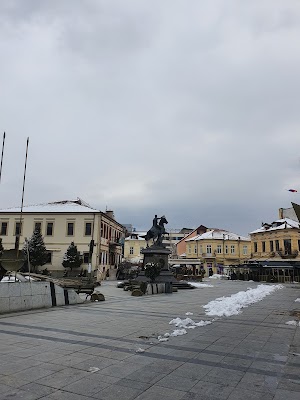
157	231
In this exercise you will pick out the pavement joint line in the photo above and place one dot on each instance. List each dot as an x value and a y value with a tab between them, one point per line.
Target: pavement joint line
247	322
166	345
161	356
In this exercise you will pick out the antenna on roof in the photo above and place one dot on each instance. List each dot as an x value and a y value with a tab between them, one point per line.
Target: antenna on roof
2	155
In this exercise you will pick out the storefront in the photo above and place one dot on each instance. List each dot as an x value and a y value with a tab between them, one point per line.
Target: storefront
267	271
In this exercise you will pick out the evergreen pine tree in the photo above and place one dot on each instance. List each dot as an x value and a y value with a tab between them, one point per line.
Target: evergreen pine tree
72	258
38	255
1	247
2	270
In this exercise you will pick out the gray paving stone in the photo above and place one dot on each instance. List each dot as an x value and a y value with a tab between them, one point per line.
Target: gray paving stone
147	374
158	392
18	394
114	392
33	374
87	386
208	390
259	383
282	394
191	371
62	395
62	378
9	380
37	389
223	376
174	382
244	394
290	384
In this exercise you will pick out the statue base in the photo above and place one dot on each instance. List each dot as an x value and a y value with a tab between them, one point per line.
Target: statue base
157	254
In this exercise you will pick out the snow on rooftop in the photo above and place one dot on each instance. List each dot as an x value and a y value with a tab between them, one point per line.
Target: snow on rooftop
217	234
65	206
283	223
136	236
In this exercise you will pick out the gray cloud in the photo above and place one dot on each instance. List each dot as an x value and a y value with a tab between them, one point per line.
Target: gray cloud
189	109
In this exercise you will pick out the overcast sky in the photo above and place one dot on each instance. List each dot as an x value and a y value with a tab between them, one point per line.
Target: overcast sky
183	108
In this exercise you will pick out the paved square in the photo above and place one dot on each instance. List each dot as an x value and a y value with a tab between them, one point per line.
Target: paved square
110	350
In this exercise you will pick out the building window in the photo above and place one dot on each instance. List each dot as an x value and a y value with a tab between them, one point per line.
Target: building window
49	229
245	250
18	231
287	246
298	245
3	231
88	229
263	247
232	249
226	249
195	249
255	247
49	258
208	249
141	248
86	258
277	245
70	229
131	250
219	249
38	226
190	249
271	245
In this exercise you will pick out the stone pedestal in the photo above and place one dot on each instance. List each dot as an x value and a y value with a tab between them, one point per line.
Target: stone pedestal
157	254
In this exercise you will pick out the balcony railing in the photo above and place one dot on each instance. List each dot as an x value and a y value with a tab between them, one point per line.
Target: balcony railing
288	254
208	255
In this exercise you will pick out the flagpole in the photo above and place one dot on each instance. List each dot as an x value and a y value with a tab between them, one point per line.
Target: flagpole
2	155
22	202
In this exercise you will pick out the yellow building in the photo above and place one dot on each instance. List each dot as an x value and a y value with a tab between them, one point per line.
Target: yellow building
218	249
133	245
275	249
64	222
277	241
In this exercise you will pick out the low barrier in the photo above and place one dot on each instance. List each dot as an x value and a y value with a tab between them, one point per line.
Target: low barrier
19	296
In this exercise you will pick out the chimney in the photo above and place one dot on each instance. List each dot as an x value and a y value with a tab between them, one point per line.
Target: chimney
110	214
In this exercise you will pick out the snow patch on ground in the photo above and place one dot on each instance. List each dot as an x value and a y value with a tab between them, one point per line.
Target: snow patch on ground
93	369
227	306
222	307
188	323
298	300
140	350
218	276
178	332
200	285
295	323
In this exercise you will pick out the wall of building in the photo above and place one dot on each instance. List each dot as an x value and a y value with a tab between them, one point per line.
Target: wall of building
107	252
222	253
133	247
272	236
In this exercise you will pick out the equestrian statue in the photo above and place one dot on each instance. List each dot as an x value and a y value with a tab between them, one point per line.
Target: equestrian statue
157	231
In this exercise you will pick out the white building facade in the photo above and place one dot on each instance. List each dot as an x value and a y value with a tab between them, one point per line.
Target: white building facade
64	222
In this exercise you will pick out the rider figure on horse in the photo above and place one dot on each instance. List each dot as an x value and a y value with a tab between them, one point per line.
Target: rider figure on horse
155	221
